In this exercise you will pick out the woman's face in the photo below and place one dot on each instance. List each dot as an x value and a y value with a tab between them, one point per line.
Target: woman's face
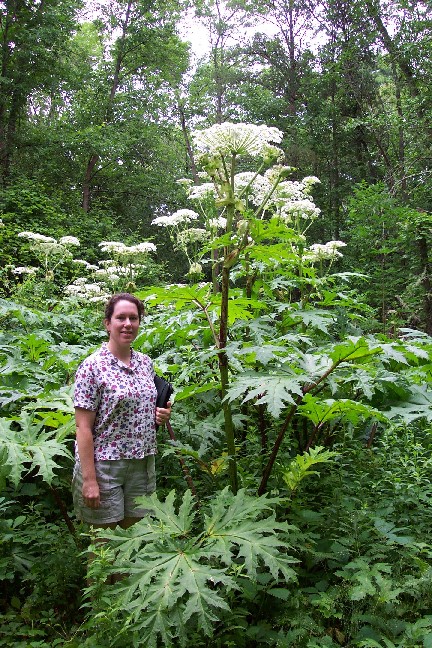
124	323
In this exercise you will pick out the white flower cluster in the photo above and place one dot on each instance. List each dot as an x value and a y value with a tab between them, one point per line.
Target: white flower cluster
309	182
120	249
217	223
202	191
48	247
177	218
41	238
289	198
255	187
88	292
33	236
288	190
142	248
112	272
305	209
108	274
236	139
22	270
69	240
323	251
86	264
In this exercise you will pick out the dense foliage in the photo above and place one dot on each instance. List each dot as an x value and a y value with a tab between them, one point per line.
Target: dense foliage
292	314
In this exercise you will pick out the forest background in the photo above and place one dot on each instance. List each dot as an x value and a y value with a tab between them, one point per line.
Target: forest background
301	367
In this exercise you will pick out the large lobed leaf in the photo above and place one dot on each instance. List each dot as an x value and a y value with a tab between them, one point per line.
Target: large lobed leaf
29	448
274	390
179	576
237	530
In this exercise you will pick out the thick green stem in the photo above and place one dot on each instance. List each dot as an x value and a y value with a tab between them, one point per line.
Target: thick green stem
224	376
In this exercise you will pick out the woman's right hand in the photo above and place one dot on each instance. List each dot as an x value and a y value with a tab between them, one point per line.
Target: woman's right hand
91	494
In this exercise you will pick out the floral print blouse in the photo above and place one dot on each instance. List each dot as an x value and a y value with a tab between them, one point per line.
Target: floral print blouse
124	399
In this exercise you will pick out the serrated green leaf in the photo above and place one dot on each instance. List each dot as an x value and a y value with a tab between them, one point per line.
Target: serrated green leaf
300	466
11	452
263	353
319	411
175	524
177	581
29	449
273	390
354	348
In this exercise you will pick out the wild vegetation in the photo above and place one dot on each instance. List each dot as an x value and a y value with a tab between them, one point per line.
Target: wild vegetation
270	206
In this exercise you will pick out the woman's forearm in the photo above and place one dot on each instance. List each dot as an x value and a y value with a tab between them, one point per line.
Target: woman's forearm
84	432
86	453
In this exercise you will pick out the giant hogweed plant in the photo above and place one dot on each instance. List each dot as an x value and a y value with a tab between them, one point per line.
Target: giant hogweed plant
281	326
243	201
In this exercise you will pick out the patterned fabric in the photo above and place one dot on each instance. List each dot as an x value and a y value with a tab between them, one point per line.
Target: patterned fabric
124	399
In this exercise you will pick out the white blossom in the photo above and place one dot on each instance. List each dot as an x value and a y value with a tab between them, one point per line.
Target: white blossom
121	249
162	221
69	240
88	292
322	251
309	181
257	191
33	236
217	223
198	192
112	246
270	153
277	171
86	264
299	209
106	262
21	270
145	246
336	244
178	217
235	139
242	180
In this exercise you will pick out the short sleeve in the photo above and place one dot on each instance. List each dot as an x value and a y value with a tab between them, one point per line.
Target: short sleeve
86	391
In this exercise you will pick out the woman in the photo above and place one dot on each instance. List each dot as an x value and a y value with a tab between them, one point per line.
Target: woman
116	421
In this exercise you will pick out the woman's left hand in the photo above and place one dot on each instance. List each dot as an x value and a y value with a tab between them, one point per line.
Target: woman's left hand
163	414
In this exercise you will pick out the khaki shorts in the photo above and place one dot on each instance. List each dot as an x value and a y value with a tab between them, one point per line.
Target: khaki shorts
120	482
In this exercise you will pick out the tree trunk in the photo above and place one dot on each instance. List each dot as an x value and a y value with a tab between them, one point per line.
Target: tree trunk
188	145
86	188
90	170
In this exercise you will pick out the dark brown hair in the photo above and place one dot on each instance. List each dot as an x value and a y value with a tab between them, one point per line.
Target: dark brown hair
110	305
